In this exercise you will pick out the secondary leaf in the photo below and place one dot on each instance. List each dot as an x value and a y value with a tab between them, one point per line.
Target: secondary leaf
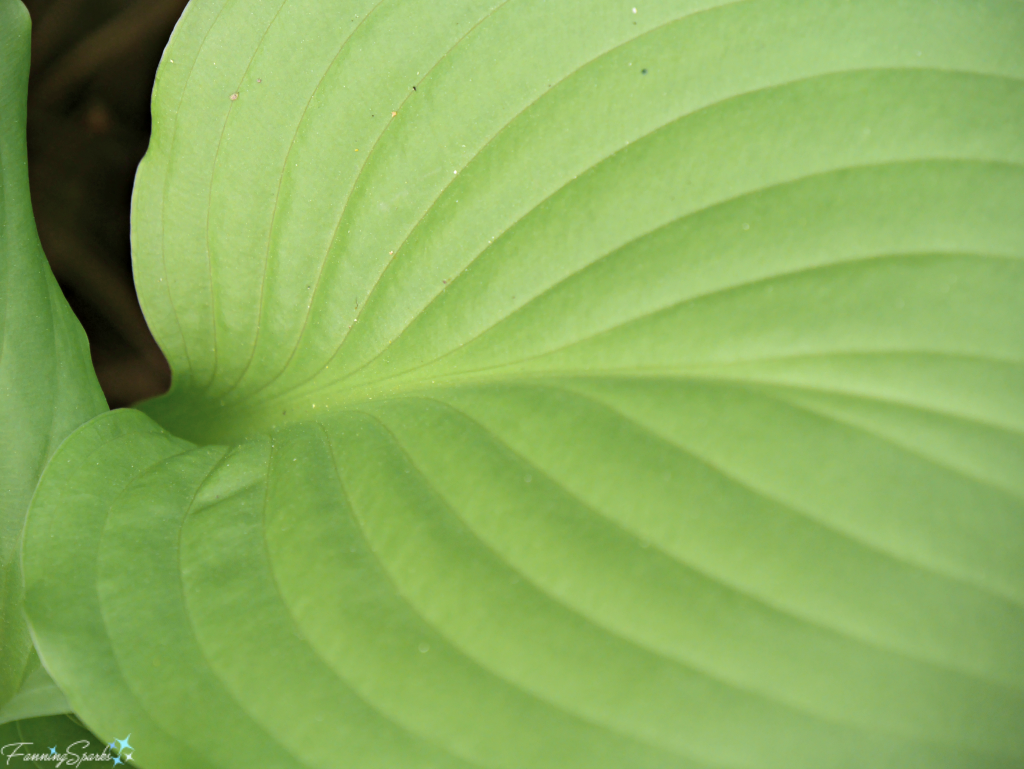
38	696
564	386
36	736
47	385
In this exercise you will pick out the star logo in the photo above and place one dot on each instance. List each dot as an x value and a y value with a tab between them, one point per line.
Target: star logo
53	751
117	761
128	757
123	744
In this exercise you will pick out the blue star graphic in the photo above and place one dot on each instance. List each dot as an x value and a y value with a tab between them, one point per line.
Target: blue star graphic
53	751
116	760
111	746
124	744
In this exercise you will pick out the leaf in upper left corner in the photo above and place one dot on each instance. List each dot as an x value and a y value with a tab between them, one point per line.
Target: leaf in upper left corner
47	384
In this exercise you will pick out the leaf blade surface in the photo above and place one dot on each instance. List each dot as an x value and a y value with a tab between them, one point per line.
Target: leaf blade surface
640	390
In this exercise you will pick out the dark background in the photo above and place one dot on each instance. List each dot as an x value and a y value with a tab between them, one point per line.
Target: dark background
93	63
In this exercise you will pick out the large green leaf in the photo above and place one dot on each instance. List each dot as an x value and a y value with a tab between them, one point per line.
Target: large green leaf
38	696
36	736
564	385
47	385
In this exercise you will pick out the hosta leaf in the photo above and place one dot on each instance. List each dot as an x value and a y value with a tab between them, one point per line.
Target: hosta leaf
564	385
47	385
36	736
38	696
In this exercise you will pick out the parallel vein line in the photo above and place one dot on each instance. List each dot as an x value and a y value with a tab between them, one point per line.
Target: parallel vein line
733	587
632	142
773	391
772	699
491	671
720	290
337	225
297	628
430	206
139	704
490	140
386	576
213	676
518	362
856	537
722	375
277	194
166	179
642	317
209	197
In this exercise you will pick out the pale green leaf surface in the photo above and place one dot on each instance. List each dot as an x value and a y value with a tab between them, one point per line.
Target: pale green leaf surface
47	385
38	696
35	737
646	392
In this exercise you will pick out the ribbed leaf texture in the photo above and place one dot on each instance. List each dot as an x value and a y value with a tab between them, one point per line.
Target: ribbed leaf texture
563	385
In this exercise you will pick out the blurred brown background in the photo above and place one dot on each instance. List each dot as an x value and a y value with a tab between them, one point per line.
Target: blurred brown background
93	63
